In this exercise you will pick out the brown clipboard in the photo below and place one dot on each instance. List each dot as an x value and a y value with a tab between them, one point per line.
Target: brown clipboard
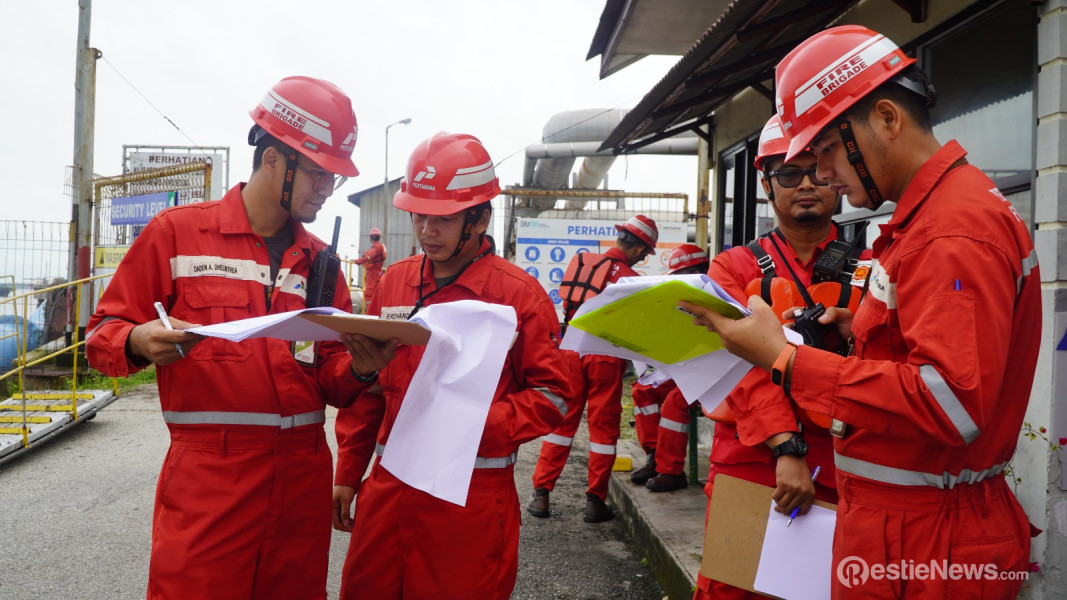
377	329
737	523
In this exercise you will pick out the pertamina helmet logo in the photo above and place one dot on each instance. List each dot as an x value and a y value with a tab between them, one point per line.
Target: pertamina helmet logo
427	174
350	140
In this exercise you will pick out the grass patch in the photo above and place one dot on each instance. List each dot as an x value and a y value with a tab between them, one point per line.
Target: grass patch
95	380
627	431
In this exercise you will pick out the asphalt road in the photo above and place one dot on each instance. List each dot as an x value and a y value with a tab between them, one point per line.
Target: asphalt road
77	511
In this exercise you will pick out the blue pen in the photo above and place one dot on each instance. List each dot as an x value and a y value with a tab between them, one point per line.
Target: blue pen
956	287
796	510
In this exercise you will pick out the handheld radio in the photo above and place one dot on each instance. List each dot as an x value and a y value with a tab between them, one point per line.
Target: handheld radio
322	281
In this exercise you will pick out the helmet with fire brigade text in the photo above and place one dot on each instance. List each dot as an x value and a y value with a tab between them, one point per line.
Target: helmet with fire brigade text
312	116
772	142
447	173
644	229
685	256
828	73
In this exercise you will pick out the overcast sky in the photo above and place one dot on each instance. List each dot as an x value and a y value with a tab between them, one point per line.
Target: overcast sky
497	69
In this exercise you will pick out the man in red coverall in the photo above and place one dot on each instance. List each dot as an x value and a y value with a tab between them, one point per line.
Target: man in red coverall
946	342
661	413
242	508
372	260
600	378
405	542
763	443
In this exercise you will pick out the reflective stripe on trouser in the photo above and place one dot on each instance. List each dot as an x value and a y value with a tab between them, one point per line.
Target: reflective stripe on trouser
672	443
211	417
244	513
602	378
411	545
646	401
480	462
969	525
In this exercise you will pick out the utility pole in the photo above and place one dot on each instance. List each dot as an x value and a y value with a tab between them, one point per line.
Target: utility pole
82	174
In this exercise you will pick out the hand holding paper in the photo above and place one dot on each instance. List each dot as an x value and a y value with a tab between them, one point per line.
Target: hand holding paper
759	338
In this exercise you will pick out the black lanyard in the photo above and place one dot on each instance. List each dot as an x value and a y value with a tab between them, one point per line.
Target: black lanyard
422	269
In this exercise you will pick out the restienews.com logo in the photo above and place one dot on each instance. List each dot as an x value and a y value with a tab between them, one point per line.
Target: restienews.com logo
853	571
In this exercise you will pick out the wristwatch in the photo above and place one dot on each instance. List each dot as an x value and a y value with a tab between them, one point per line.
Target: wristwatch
795	446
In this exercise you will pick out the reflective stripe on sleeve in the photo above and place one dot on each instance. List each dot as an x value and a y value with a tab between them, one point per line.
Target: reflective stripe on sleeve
896	476
558	402
949	403
208	417
1027	265
602	448
90	332
559	440
651	409
666	423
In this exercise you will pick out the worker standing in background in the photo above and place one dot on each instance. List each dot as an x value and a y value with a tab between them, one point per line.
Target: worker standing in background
242	508
759	436
598	377
406	543
372	261
946	342
661	413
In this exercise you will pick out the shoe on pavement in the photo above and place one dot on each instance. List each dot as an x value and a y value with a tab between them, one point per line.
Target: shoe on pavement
640	476
666	482
538	505
596	511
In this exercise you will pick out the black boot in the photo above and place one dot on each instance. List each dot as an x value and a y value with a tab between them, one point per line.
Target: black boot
640	476
538	505
596	511
666	482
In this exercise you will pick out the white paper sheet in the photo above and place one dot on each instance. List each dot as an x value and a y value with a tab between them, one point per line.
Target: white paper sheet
282	326
796	562
434	441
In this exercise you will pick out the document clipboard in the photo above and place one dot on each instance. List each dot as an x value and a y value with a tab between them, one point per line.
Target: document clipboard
650	323
408	332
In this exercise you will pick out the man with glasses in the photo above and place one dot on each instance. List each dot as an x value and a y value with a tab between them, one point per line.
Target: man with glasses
763	438
243	503
599	379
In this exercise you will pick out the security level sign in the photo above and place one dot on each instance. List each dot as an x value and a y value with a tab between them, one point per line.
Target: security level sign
139	210
544	247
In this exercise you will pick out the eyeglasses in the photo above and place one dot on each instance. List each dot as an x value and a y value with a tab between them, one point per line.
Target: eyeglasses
790	177
319	176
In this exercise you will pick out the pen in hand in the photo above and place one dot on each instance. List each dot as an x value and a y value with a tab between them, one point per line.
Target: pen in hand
166	323
796	510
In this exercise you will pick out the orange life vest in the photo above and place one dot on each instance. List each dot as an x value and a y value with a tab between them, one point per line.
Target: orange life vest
586	276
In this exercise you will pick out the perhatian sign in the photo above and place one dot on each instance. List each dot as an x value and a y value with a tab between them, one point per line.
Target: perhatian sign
139	210
142	160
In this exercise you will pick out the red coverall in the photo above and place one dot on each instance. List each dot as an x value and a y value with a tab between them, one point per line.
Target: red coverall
406	543
759	406
946	344
598	383
661	416
243	503
372	261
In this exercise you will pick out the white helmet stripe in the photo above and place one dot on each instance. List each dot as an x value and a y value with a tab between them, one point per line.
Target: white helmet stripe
853	62
648	231
297	117
771	132
469	177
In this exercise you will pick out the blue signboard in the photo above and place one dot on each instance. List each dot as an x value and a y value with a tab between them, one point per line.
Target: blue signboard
139	210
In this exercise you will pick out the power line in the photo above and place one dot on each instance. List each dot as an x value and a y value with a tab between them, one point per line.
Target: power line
165	117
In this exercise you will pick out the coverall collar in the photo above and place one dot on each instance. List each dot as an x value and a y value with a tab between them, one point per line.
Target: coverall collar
920	186
233	219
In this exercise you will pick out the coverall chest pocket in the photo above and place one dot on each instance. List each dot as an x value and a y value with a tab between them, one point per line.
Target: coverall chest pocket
872	326
218	302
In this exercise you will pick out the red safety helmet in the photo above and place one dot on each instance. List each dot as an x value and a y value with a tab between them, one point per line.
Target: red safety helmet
376	231
772	142
447	173
685	256
826	74
312	116
644	228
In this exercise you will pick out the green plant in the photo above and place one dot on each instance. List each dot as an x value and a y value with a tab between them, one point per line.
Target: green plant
96	380
1033	435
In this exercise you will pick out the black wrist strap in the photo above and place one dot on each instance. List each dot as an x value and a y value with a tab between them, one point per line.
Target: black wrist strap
365	378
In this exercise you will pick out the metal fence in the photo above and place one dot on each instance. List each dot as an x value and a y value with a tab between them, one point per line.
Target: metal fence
33	254
191	181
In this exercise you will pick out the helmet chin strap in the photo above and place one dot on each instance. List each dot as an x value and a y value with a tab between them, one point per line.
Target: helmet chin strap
287	185
468	223
855	158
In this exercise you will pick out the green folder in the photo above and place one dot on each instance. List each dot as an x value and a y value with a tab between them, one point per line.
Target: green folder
651	324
